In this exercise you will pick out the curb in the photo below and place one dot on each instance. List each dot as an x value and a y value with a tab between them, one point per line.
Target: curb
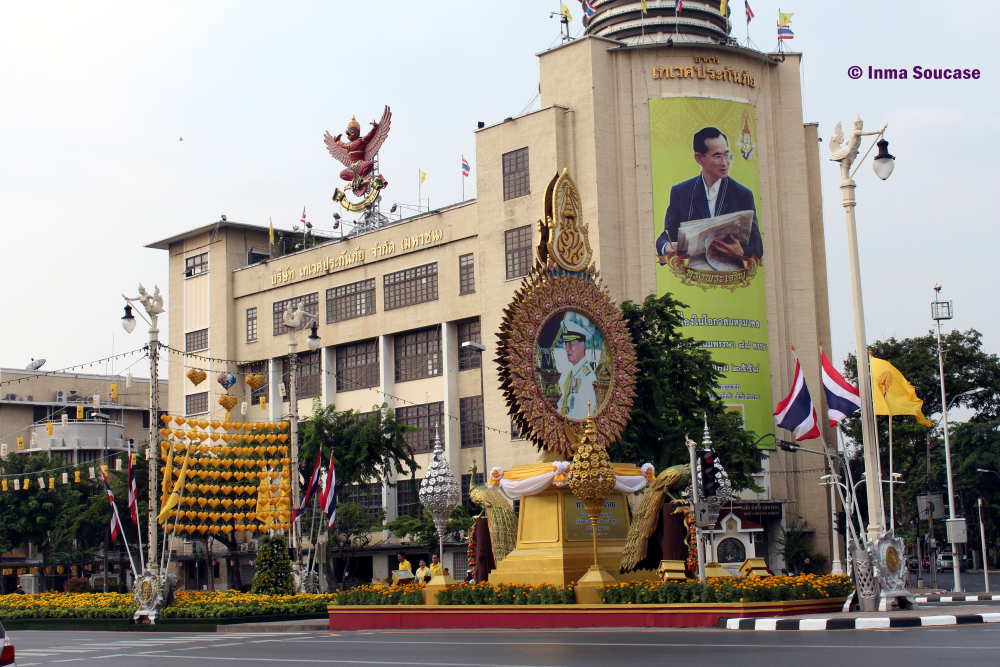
958	598
863	623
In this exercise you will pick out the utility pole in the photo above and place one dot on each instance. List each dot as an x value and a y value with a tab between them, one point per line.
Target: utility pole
931	543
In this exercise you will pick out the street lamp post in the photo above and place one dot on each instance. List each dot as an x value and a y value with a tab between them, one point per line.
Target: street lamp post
846	155
470	345
941	310
294	321
153	305
982	533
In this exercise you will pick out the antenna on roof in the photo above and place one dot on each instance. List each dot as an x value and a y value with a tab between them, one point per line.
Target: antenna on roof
35	364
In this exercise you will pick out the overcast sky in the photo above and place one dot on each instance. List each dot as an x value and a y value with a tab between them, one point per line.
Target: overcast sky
97	95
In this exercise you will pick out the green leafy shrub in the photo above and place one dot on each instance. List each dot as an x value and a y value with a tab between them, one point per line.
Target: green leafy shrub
78	585
728	589
274	568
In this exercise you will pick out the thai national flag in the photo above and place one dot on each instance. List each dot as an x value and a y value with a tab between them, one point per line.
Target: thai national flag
678	5
133	492
466	169
328	496
588	9
796	413
303	220
749	11
310	490
784	32
842	398
116	523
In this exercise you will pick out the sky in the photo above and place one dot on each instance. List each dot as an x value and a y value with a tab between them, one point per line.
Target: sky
96	97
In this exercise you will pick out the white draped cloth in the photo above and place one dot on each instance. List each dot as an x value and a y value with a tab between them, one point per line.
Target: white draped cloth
515	485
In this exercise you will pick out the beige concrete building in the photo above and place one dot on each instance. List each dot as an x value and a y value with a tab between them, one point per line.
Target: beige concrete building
395	304
31	400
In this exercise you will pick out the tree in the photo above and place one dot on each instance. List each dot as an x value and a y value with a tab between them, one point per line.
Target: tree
419	525
366	449
352	532
274	568
675	387
966	366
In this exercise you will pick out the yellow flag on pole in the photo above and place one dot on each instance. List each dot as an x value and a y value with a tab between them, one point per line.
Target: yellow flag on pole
722	8
568	16
645	9
175	494
423	176
893	394
272	231
784	18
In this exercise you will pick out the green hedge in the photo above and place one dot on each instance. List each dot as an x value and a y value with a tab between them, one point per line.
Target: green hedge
728	589
383	595
488	594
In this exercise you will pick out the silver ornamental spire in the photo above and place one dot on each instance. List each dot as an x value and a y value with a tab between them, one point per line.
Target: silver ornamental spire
439	491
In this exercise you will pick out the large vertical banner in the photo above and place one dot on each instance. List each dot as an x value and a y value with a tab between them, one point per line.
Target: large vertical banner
710	254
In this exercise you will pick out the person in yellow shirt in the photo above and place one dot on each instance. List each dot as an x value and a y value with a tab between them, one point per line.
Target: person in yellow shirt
403	563
423	573
435	568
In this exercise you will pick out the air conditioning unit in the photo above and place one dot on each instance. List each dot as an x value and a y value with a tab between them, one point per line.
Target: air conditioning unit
253	545
10	397
243	546
62	396
29	399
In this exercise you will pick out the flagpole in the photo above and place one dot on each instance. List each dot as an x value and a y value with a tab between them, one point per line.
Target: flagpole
419	185
892	507
138	523
135	573
878	453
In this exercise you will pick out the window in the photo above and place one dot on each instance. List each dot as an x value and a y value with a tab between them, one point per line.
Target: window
515	174
308	375
196	265
418	354
471	421
252	325
731	550
196	340
421	441
406	497
309	303
466	274
349	301
515	432
195	404
518	244
368	495
357	366
466	486
260	368
411	286
469	358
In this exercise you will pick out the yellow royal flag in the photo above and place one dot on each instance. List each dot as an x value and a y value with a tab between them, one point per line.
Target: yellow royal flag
568	16
168	470
722	8
272	231
784	18
423	176
645	9
175	494
893	394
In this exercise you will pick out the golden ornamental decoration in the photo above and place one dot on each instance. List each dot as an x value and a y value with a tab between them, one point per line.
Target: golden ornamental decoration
565	237
228	402
197	376
563	343
592	479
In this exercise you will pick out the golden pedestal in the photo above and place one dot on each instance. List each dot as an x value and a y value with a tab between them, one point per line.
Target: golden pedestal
672	570
585	590
755	567
437	583
554	542
713	569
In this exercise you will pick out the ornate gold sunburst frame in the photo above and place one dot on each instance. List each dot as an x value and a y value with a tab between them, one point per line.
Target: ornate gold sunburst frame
546	291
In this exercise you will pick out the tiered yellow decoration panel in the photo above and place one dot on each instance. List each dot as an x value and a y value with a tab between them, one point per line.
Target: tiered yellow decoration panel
238	475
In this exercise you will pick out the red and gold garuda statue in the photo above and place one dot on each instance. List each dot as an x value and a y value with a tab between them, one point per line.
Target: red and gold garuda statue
357	155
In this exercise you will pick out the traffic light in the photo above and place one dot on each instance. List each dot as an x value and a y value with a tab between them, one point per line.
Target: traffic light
840	522
709	484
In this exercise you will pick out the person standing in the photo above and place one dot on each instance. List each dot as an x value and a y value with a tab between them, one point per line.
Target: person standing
403	563
435	568
423	573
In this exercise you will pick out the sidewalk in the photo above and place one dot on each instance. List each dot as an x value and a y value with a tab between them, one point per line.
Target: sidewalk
313	625
857	620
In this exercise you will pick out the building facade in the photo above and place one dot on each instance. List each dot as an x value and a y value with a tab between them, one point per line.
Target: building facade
395	305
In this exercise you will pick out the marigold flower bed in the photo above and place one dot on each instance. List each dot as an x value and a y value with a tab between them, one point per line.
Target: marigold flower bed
188	604
380	595
726	589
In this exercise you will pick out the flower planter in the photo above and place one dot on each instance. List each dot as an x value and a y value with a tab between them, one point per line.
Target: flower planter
468	617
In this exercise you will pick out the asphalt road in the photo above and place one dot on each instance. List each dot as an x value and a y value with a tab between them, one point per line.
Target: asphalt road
972	582
965	645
